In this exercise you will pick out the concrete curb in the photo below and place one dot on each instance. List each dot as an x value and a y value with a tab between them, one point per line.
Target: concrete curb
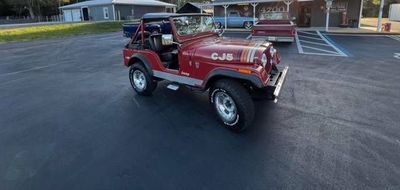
361	33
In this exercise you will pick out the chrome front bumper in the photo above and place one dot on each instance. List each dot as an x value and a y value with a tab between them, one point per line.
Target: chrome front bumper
277	81
273	38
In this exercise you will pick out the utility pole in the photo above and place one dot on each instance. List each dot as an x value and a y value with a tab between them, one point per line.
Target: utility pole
379	27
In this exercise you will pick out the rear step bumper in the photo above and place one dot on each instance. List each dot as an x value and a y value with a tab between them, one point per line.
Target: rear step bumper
277	82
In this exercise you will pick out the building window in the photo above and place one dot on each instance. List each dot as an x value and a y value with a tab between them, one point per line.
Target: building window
105	13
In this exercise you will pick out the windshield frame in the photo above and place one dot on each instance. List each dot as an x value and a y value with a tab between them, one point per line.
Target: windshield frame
214	29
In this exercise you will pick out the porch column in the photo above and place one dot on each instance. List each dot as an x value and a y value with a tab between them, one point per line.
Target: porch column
114	15
328	10
288	2
379	27
226	23
361	10
254	12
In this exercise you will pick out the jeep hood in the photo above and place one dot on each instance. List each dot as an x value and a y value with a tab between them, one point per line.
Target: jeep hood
228	50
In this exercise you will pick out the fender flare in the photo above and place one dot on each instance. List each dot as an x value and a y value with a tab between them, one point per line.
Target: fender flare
220	73
142	59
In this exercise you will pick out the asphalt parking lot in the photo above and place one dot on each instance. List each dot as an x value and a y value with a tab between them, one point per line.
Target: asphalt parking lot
70	120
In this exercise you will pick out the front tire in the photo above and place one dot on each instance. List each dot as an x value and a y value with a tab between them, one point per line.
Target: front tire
141	80
233	104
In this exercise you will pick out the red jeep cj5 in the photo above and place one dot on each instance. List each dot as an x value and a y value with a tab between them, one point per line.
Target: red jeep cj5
195	55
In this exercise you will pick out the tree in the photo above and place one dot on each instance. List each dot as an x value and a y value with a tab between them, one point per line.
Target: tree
5	9
371	7
33	7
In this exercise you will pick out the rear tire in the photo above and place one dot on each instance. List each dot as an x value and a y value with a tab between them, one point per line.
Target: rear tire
233	104
141	80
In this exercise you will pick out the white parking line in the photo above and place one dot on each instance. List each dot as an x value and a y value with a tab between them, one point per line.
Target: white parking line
396	55
248	37
309	37
334	47
319	49
299	48
308	45
305	32
394	37
315	43
325	54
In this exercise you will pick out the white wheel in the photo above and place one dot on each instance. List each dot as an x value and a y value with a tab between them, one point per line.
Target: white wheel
226	107
139	80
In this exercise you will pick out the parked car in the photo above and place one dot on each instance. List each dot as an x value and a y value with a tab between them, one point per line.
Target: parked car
195	55
275	26
234	20
129	29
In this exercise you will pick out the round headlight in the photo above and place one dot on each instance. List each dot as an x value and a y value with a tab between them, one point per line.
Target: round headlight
272	51
264	59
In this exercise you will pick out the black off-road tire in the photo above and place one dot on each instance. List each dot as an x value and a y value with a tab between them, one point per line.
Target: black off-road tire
242	99
150	85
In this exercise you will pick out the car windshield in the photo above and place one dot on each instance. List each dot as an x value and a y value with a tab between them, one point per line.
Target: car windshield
191	25
274	16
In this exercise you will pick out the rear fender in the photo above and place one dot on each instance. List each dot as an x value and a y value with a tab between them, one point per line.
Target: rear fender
138	58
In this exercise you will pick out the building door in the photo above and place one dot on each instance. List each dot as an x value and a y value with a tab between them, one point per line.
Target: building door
76	15
85	12
67	15
304	16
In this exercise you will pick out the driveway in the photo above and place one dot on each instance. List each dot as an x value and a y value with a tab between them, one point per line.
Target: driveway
70	120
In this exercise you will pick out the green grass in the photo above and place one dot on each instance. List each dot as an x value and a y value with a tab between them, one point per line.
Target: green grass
57	31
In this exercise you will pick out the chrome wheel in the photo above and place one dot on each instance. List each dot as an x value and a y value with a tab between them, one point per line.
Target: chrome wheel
226	107
248	25
139	80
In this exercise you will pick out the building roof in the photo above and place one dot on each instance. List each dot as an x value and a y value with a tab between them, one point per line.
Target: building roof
118	2
151	16
228	2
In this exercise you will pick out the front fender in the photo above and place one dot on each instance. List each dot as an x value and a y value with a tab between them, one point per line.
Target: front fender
224	73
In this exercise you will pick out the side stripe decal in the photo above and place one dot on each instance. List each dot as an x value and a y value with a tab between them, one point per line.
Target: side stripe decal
248	54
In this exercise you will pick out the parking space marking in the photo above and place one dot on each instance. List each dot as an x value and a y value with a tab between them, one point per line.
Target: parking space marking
299	48
333	46
315	43
248	37
313	38
396	55
394	37
318	49
306	32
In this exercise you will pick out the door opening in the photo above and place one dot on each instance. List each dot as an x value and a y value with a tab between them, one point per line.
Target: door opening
85	12
305	16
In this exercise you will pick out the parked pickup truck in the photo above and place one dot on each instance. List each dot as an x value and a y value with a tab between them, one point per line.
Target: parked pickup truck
275	27
234	20
161	27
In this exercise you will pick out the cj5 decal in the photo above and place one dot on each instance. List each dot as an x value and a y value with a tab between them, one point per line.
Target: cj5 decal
222	57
